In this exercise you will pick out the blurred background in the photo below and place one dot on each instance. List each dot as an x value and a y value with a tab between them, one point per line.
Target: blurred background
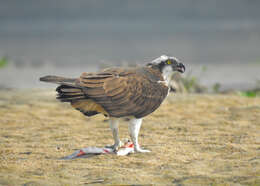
217	40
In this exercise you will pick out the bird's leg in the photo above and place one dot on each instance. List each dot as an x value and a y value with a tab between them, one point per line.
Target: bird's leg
113	123
134	127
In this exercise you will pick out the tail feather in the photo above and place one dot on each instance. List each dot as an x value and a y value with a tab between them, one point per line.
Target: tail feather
79	100
59	80
68	93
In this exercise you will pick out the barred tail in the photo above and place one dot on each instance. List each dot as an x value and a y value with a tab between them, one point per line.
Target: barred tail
79	100
68	93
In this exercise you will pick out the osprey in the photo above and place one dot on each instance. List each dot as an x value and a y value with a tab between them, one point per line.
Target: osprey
120	92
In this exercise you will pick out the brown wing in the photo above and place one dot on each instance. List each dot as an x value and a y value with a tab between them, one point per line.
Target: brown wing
123	92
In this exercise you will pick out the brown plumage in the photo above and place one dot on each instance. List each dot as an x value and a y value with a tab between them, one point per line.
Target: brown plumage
120	92
114	92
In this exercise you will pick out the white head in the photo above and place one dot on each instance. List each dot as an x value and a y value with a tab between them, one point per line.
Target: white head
167	65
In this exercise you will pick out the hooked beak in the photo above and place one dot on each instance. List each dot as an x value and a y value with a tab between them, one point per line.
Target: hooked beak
180	68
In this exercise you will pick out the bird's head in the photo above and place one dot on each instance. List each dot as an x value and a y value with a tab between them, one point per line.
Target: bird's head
167	64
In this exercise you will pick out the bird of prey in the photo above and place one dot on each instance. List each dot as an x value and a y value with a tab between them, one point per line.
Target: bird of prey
131	93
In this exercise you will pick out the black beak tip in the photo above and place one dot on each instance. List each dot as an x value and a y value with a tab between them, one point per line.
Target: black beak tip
181	68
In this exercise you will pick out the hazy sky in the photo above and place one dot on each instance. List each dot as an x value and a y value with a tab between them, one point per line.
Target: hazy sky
130	9
90	31
42	36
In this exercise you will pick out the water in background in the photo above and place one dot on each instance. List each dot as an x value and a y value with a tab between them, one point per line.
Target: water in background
66	37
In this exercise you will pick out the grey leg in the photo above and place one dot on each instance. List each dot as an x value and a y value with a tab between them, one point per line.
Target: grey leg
134	128
113	123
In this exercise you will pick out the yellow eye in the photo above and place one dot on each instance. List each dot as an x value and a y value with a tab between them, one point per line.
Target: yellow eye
169	62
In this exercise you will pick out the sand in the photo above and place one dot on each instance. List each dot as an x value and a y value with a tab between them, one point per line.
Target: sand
194	139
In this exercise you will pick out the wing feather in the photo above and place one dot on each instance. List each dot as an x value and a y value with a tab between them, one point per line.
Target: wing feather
124	92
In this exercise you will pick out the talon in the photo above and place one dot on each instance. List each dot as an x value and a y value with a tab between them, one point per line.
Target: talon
142	150
115	146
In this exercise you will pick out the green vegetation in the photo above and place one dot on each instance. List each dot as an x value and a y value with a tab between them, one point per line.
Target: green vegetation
193	85
3	62
189	83
216	87
249	93
252	93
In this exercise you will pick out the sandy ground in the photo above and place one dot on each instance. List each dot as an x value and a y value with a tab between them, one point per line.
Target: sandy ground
195	140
